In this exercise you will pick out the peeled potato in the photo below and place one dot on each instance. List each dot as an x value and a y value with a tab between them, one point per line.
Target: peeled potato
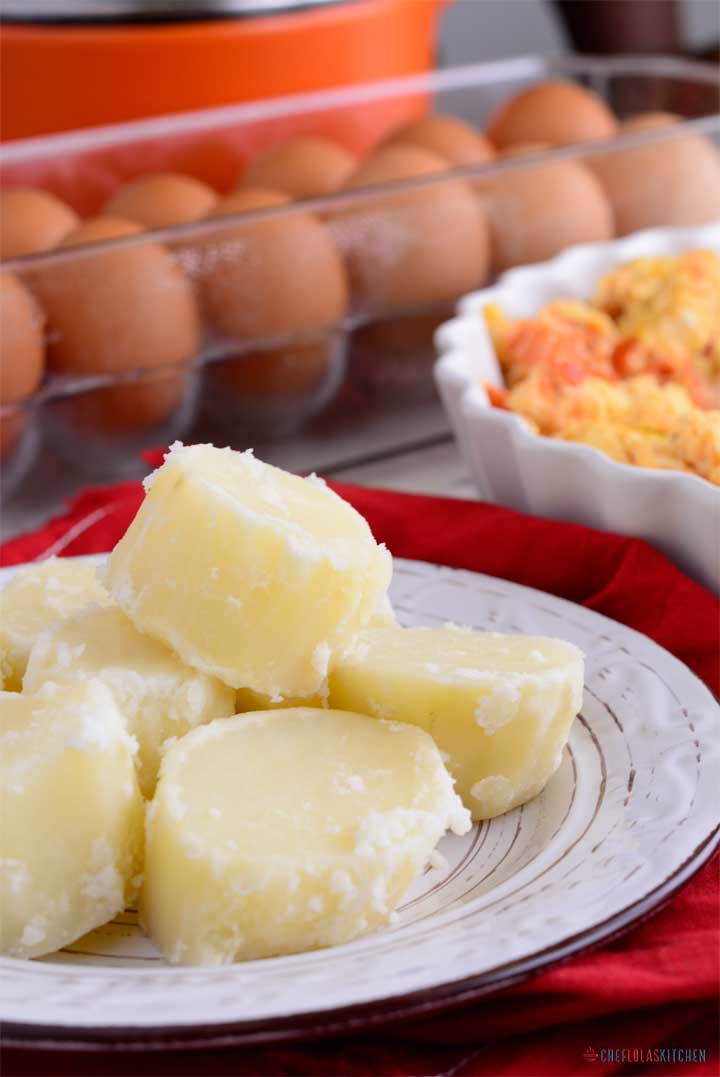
248	700
284	572
288	830
34	598
499	706
72	832
158	695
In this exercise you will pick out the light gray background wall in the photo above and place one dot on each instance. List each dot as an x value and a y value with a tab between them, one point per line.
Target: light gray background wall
491	29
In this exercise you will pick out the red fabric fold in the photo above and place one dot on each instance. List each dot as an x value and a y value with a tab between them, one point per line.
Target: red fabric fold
656	985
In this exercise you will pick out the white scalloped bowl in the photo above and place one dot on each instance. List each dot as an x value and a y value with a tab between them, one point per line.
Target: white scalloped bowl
677	512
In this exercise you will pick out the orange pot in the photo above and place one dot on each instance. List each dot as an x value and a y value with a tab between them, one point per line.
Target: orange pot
67	76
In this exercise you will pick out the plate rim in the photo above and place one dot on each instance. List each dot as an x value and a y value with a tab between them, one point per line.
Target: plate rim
360	1016
388	1009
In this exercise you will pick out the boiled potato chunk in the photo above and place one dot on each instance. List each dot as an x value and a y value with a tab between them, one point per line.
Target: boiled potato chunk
383	615
71	816
500	707
158	695
248	700
286	830
251	574
34	598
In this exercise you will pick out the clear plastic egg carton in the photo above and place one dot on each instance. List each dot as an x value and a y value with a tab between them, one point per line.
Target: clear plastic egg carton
311	391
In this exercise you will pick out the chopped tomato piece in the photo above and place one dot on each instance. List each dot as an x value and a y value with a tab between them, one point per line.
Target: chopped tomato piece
497	397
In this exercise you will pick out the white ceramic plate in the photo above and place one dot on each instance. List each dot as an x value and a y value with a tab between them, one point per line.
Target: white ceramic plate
629	816
678	512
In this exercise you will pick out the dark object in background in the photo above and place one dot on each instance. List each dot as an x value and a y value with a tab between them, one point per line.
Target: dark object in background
638	26
611	26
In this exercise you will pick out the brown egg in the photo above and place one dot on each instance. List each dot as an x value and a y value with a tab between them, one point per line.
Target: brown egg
32	221
271	276
416	246
116	309
538	211
391	163
98	230
674	182
22	349
301	168
119	311
555	112
162	200
22	355
454	140
277	276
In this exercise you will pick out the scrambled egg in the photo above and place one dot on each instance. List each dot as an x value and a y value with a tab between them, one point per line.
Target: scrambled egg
635	372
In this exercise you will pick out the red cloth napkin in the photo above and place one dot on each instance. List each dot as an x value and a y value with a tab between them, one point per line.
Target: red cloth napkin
655	987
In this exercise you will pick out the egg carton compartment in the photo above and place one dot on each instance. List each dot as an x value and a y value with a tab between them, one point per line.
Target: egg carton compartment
19	445
392	358
305	328
102	427
273	389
